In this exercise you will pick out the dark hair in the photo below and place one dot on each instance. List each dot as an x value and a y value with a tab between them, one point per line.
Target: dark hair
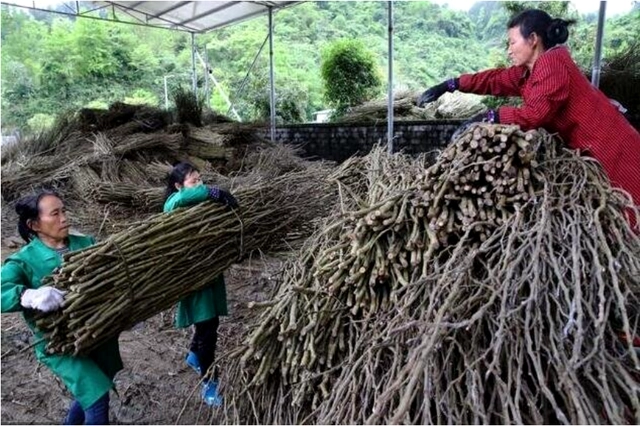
551	31
28	209
178	175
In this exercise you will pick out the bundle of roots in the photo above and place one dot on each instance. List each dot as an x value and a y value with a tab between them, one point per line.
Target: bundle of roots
150	266
500	285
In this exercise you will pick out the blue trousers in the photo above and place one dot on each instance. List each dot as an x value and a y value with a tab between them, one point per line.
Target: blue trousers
97	414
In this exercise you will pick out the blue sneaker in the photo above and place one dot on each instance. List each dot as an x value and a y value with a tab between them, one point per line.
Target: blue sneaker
192	361
210	394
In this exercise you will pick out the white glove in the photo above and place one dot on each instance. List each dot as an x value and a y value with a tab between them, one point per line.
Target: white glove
45	299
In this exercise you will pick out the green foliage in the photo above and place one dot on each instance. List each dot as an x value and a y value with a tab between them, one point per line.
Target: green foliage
97	104
142	97
40	122
557	9
50	63
349	74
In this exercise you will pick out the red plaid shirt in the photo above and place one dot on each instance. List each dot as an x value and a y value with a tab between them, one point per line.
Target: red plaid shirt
559	98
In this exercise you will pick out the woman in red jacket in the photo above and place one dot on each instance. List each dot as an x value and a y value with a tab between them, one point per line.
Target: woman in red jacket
556	96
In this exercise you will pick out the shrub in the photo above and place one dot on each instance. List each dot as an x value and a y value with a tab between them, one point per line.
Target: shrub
349	74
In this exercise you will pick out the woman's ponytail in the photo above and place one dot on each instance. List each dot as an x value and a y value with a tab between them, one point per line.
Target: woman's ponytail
558	31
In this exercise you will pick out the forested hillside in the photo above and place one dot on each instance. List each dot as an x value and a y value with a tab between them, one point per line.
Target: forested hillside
51	63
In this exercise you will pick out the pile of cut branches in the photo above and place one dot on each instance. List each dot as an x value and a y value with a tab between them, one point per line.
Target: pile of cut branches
413	306
147	268
451	106
104	162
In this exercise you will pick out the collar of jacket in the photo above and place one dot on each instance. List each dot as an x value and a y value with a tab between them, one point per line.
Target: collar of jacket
526	73
48	252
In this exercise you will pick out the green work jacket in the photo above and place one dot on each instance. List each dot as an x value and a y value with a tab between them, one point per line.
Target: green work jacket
211	301
87	377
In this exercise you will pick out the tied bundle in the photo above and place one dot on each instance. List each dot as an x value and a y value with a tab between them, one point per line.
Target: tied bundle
413	306
147	268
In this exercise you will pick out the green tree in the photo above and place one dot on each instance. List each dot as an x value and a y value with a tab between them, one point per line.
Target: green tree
557	9
49	64
349	73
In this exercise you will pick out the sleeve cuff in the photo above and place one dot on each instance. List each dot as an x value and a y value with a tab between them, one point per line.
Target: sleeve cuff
506	115
214	193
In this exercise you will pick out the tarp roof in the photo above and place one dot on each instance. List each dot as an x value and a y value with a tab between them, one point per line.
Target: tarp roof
194	16
191	16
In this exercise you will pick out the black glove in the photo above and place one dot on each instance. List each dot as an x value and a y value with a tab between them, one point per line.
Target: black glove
222	196
489	116
435	92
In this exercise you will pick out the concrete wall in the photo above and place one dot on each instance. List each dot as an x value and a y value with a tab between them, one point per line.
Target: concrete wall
339	141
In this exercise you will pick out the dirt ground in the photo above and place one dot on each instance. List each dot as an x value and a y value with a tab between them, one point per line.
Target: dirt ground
155	387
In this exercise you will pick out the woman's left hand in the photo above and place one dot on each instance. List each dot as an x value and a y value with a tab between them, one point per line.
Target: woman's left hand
223	197
489	116
228	199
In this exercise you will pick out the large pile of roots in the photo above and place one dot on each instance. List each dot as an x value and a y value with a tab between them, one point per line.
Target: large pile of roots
500	285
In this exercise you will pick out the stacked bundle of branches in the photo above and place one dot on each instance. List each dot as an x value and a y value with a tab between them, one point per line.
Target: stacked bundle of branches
148	199
143	188
478	182
20	177
380	322
274	159
449	106
403	109
109	197
64	134
104	138
122	119
208	144
456	105
138	273
99	151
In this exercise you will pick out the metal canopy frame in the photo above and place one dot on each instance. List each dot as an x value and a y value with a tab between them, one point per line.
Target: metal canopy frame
194	17
189	16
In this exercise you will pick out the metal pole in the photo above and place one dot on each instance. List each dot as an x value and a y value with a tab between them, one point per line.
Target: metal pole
597	60
220	89
207	97
390	81
246	77
194	78
272	97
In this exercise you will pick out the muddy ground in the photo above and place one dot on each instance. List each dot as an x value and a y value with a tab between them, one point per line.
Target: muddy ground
155	387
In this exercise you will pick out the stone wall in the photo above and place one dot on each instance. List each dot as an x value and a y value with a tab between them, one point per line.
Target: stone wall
339	141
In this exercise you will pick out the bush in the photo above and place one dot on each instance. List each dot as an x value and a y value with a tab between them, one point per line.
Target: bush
40	122
349	74
97	104
141	97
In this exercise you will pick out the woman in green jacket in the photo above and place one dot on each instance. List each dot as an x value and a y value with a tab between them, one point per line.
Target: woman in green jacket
43	225
202	308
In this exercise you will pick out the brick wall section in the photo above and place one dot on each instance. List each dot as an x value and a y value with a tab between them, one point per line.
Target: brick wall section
339	141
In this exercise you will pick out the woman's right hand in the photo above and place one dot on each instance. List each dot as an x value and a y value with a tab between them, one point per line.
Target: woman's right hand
433	93
45	299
